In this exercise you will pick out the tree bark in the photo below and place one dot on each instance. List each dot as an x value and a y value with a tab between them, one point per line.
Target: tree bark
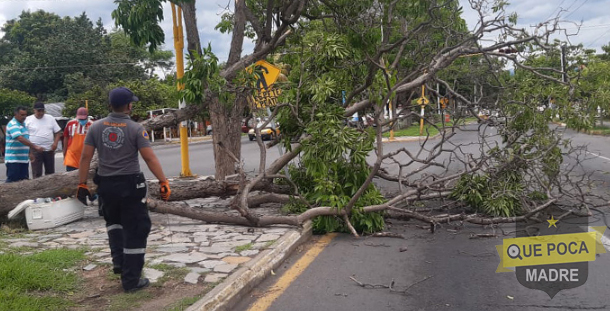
226	134
65	184
190	24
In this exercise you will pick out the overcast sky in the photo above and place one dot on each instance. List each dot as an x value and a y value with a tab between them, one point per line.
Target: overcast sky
594	15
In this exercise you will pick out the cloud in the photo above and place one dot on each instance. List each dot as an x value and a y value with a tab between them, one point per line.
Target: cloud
592	15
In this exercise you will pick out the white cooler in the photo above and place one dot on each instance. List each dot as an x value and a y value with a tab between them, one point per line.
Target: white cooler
42	214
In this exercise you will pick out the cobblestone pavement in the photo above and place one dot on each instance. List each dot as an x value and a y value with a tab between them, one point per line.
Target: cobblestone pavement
211	252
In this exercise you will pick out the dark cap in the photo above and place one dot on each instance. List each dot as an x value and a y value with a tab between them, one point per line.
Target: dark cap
121	96
38	105
82	113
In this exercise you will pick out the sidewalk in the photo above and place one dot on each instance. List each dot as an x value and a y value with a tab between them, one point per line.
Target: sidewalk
236	258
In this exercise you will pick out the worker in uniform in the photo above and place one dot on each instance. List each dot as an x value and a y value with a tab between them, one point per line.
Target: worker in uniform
121	186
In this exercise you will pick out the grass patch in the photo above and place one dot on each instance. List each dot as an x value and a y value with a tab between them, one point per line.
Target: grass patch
242	248
183	304
36	282
413	130
128	301
600	130
169	272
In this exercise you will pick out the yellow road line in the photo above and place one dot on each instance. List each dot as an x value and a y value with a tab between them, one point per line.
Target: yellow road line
289	276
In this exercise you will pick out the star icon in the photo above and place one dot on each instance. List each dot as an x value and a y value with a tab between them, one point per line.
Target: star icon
552	222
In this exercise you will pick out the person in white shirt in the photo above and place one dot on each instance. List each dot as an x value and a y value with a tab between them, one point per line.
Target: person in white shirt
44	132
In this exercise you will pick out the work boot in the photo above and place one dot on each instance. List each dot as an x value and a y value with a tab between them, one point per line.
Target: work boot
142	283
117	270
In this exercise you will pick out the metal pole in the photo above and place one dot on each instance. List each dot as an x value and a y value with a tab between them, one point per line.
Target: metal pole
392	123
421	120
179	46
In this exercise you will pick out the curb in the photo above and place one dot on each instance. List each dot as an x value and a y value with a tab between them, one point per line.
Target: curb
238	284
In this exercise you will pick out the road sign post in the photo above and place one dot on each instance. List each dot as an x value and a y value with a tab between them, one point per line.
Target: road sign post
179	46
422	101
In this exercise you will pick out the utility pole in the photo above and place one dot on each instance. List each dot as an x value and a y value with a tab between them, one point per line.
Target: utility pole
564	78
179	46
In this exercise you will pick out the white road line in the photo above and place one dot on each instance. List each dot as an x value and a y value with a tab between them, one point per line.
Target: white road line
597	155
606	242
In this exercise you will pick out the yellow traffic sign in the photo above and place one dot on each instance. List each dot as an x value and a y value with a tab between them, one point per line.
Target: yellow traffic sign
266	95
423	101
267	74
444	101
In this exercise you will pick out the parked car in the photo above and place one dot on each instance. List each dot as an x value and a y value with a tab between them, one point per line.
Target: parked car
492	117
267	133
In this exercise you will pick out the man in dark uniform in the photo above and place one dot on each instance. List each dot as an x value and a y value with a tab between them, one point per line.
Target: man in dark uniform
121	185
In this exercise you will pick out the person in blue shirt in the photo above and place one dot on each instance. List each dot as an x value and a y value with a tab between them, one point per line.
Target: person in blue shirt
18	147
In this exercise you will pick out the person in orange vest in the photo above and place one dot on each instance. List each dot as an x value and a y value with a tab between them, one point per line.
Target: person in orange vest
74	138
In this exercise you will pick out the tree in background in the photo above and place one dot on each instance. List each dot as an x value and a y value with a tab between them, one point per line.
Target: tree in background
152	93
53	58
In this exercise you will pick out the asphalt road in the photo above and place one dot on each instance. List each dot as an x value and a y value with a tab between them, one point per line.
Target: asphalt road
446	270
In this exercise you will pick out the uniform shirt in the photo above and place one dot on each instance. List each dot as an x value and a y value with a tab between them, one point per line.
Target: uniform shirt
42	131
75	132
117	139
16	152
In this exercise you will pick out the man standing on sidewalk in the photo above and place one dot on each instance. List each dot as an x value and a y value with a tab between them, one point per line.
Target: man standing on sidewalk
74	138
122	187
44	132
18	147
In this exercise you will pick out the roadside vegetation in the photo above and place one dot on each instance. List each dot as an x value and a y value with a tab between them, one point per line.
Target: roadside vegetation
39	281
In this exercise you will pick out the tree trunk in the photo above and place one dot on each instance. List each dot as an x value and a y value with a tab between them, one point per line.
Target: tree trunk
65	184
190	24
226	135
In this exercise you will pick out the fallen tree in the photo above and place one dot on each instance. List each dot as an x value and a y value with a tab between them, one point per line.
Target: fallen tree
330	172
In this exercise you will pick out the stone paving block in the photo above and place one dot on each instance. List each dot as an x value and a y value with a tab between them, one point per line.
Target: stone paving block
185	258
215	249
202	239
79	235
153	274
154	254
51	245
236	260
50	236
226	268
198	270
24	244
178	238
232	244
259	245
16	240
89	267
172	249
267	238
250	252
223	255
210	264
154	237
99	236
224	237
214	277
95	242
192	278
